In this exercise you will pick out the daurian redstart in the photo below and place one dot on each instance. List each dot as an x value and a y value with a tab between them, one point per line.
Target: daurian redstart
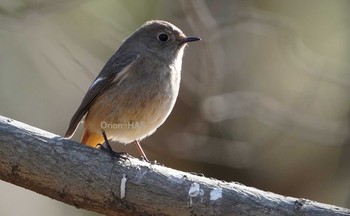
136	89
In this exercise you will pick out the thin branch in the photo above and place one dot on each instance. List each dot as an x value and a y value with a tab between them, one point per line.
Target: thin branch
91	179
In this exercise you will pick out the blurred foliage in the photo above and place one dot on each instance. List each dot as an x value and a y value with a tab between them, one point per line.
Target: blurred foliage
264	98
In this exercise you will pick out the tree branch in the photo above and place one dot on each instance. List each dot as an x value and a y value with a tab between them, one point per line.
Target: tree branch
91	179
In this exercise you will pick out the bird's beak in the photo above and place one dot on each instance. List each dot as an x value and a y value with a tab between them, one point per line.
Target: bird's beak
190	39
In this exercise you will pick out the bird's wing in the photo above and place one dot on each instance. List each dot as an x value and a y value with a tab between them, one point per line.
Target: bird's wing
116	66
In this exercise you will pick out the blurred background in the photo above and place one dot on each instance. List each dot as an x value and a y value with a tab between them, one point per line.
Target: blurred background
264	97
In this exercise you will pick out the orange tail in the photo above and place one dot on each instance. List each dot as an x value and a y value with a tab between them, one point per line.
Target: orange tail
91	139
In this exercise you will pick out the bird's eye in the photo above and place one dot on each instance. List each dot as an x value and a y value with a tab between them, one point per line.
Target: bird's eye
163	37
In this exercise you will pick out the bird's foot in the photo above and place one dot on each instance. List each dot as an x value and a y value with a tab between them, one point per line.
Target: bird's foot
108	148
119	155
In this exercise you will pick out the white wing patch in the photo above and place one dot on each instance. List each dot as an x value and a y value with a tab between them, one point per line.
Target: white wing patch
97	81
124	73
119	77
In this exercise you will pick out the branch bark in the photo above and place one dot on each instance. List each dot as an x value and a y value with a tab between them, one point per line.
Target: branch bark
91	179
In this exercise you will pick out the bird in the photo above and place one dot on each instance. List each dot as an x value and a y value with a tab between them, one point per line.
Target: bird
137	88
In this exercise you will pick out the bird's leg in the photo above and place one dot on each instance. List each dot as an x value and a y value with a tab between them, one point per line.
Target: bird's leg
141	150
109	149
